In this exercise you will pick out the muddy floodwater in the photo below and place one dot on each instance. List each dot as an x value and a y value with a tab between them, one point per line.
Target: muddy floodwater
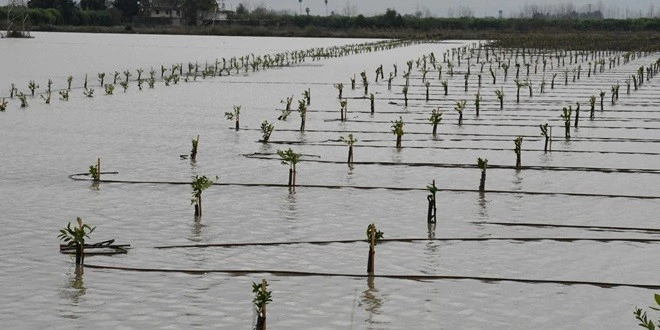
568	241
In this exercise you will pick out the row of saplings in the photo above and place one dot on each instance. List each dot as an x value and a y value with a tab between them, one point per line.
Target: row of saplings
194	70
75	237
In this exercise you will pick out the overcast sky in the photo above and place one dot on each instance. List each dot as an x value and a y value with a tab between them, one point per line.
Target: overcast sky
480	8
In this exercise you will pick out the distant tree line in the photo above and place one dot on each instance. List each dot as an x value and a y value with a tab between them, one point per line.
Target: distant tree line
93	12
393	20
96	13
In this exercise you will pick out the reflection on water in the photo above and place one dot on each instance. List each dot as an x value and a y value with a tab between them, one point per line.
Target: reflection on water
431	258
350	180
431	230
74	290
517	181
372	301
265	148
196	230
483	204
517	186
94	186
289	209
399	176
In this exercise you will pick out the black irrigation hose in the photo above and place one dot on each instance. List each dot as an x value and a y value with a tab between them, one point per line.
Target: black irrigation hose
530	137
542	225
413	240
500	117
511	192
321	144
470	166
495	125
288	273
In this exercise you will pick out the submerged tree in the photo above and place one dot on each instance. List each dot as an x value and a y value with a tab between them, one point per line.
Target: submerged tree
397	129
435	119
483	165
546	135
566	115
262	297
642	317
266	131
75	237
518	151
199	184
373	236
343	109
287	111
290	158
477	102
405	95
431	216
234	115
302	109
340	88
500	96
350	140
193	151
460	106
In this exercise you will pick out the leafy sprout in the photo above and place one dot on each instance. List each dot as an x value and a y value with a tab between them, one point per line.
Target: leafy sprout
75	236
262	296
94	172
350	140
199	184
482	163
289	157
378	234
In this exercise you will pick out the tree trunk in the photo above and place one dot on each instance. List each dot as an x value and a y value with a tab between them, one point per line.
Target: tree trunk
482	183
431	216
350	154
435	128
545	147
372	252
518	161
398	141
80	254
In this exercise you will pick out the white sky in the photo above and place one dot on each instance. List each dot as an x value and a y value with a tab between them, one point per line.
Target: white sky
481	8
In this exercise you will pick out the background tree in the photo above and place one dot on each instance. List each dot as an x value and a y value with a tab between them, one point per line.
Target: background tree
242	9
128	8
191	7
92	4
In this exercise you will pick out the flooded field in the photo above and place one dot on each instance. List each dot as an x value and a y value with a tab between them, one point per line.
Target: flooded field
568	240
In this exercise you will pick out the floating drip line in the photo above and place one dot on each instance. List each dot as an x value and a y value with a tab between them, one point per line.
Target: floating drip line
513	192
286	273
461	137
541	225
413	240
322	144
441	165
